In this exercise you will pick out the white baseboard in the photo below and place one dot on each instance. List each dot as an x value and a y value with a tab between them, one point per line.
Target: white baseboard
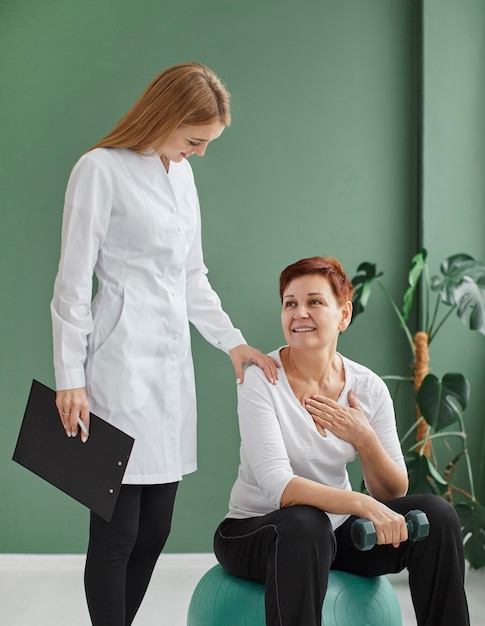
76	561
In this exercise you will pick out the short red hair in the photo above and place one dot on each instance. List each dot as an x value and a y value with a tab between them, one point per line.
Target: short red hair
326	266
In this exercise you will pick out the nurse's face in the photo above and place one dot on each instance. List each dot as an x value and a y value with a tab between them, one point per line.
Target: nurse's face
187	140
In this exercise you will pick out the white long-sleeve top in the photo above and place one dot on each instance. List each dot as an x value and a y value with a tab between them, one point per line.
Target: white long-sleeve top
279	439
137	228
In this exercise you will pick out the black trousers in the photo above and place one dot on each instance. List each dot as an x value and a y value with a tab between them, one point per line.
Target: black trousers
122	553
291	550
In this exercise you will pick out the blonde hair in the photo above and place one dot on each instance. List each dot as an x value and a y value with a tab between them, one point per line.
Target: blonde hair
185	94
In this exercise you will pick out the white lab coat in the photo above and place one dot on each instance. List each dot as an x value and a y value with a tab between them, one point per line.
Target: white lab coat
138	229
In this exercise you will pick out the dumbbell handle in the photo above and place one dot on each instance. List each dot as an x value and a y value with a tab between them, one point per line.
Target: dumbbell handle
364	533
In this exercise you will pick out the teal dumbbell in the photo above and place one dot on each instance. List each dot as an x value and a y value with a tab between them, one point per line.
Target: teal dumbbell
364	534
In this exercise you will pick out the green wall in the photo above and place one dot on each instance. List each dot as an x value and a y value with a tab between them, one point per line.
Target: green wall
454	182
323	156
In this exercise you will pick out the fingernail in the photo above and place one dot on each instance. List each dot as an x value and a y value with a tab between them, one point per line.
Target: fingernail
73	434
84	438
68	433
238	381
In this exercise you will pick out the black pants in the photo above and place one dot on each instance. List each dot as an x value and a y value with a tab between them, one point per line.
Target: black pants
122	553
292	550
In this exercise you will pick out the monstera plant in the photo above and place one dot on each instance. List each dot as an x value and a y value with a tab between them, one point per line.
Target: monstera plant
439	403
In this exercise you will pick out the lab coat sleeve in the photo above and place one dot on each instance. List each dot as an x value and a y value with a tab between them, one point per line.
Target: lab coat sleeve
87	209
203	304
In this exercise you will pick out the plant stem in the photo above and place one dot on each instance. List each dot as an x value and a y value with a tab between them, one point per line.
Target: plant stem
399	315
468	463
410	431
455	433
462	491
435	315
426	294
434	332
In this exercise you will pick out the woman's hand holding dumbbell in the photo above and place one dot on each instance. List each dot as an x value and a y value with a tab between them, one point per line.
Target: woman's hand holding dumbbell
390	526
364	534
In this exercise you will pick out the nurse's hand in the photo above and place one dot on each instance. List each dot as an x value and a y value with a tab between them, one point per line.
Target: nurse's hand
240	355
72	405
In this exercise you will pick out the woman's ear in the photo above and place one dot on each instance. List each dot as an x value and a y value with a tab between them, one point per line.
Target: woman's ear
346	316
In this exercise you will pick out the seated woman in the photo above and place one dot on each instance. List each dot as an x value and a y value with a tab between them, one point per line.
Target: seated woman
292	505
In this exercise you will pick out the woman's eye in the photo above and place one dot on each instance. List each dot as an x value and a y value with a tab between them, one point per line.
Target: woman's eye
288	305
194	144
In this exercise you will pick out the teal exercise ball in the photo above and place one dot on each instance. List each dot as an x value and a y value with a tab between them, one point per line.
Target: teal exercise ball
360	601
221	599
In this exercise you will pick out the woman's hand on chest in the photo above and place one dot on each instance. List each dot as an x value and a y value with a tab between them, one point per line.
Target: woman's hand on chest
346	422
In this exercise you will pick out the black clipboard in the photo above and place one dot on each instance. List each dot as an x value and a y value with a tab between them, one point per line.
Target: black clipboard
90	472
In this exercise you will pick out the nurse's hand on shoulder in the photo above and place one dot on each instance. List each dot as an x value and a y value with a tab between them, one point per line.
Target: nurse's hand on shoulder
73	405
240	355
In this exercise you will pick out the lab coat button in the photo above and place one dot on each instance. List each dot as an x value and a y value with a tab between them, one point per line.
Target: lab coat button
174	357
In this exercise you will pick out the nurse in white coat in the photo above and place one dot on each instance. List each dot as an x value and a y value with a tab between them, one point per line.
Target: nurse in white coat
131	217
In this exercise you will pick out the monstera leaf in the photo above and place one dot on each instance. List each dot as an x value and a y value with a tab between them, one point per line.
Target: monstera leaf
472	521
442	402
470	297
417	267
423	476
362	283
463	285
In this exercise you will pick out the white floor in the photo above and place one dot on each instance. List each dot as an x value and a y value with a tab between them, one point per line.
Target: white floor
38	590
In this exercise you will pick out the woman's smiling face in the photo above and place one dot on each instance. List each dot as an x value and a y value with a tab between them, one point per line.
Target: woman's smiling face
187	140
311	316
